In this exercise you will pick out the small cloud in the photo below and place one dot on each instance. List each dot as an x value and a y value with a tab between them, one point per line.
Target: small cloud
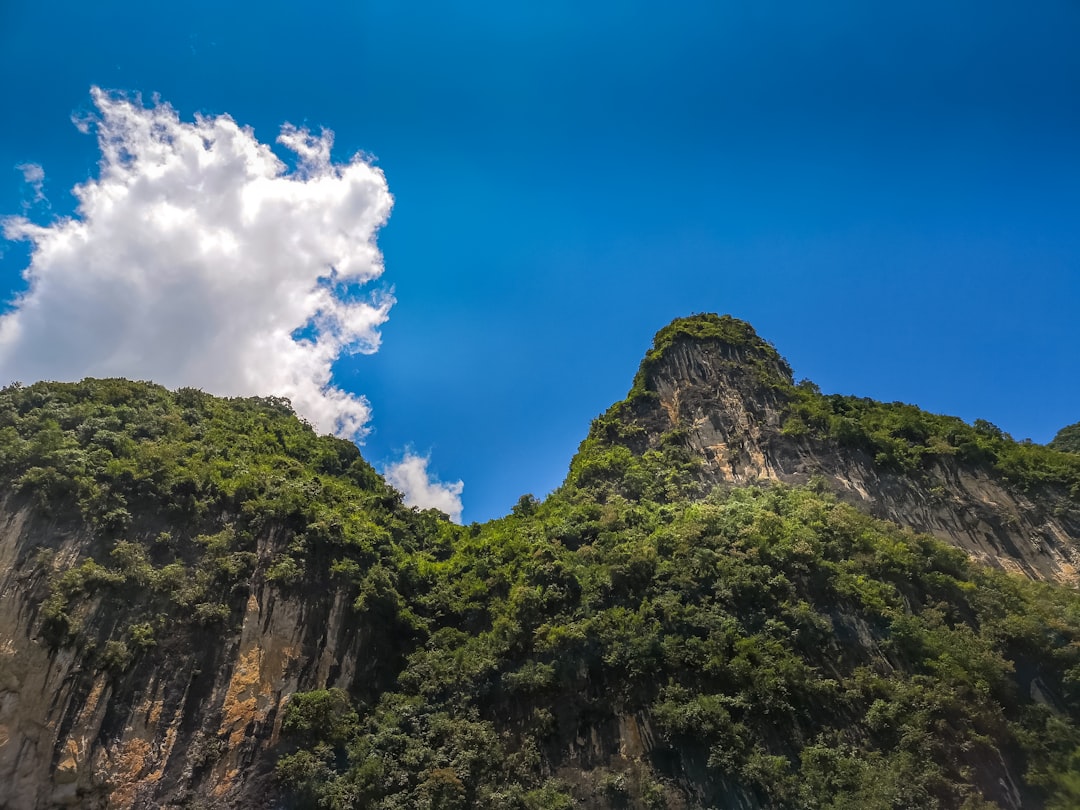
34	177
32	173
196	258
410	477
83	122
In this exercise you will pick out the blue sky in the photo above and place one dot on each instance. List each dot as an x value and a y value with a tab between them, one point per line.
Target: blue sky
890	195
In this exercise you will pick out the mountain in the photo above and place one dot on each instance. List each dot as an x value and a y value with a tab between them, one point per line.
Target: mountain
730	398
746	594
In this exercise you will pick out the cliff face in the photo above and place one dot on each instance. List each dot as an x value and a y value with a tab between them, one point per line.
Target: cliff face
732	404
187	724
203	604
158	605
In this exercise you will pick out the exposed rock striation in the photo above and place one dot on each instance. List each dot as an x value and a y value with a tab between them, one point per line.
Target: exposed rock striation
175	568
192	720
729	396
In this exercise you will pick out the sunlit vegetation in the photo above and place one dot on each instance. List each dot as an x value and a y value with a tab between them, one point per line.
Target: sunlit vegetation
730	332
1067	439
176	490
774	638
907	439
772	643
895	436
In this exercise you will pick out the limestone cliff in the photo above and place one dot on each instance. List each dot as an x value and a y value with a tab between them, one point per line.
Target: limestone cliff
190	723
157	608
204	604
729	397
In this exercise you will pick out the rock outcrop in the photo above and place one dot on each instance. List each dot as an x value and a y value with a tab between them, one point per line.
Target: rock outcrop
175	568
730	399
190	723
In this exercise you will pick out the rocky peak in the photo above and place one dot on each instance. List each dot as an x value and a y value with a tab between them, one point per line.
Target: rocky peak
715	379
204	604
713	385
720	340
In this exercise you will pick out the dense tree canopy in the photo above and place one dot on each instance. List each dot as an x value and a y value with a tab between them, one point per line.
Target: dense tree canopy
778	647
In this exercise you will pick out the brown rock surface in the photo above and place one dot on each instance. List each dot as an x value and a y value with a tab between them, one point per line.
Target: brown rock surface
192	720
720	396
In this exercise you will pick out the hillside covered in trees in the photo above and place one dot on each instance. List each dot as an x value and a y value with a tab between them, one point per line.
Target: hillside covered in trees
203	603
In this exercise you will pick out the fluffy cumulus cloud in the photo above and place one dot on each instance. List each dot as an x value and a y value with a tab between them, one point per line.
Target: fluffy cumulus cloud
198	258
411	478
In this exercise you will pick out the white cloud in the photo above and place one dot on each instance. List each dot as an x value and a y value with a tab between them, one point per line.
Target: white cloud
196	257
33	176
410	477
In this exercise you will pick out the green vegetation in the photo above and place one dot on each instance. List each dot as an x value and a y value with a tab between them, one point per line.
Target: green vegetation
1067	439
895	436
906	439
724	330
176	491
778	640
762	645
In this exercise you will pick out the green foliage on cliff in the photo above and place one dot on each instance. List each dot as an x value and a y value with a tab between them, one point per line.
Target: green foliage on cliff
906	439
776	642
631	641
177	491
607	466
724	330
709	326
1067	439
895	436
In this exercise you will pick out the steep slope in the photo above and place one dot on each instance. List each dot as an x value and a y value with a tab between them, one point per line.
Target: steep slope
752	647
204	604
711	384
153	611
1067	439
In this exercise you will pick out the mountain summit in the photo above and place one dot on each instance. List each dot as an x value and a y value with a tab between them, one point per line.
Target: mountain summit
746	594
712	385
